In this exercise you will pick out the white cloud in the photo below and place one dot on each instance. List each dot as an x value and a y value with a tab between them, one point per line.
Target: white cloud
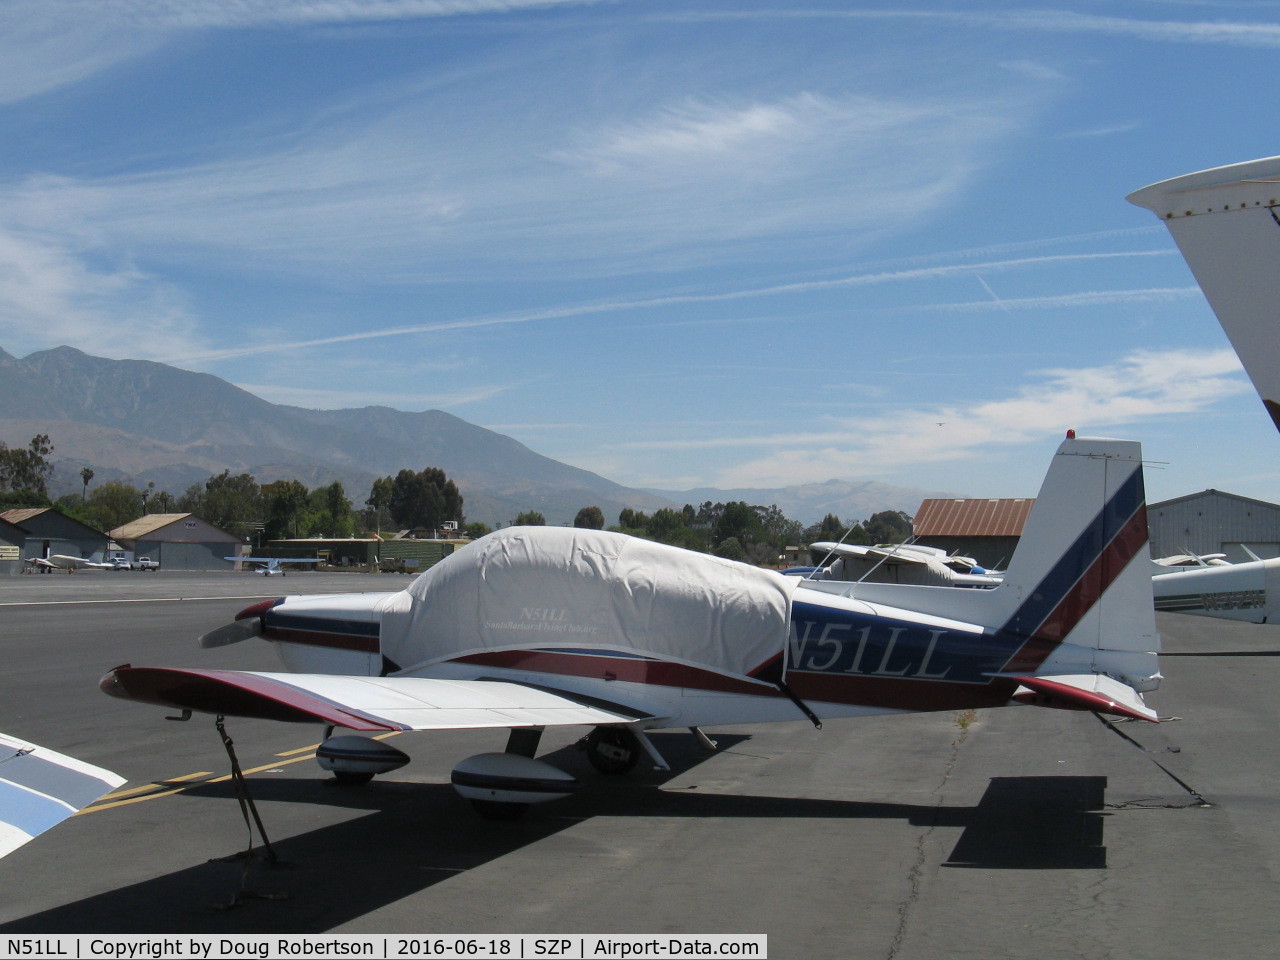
1141	387
50	296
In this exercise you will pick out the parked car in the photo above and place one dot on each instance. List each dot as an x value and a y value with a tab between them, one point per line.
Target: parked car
146	563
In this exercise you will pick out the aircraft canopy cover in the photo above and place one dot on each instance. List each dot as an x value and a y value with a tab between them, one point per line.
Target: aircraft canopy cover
569	588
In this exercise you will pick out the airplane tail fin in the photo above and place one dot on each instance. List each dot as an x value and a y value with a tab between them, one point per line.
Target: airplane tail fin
1075	609
1226	222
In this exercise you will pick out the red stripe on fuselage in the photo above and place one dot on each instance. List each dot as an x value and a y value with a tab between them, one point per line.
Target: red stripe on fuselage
628	669
898	693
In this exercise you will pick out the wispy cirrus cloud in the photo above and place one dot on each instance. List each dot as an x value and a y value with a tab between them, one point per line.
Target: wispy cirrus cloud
1140	387
48	296
47	44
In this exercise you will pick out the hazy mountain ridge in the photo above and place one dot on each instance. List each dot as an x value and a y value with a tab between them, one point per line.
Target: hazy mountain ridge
139	421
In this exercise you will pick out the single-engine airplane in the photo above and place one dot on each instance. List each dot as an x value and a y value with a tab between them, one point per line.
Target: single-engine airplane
60	561
1226	222
39	788
899	563
531	627
270	566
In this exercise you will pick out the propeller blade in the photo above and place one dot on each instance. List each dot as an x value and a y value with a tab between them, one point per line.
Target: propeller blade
232	633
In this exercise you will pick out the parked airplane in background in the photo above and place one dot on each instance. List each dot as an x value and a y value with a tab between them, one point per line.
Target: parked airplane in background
1189	561
39	788
532	627
269	566
898	563
1247	591
59	561
1226	222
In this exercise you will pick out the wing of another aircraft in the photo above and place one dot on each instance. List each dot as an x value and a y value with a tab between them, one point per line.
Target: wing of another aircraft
363	703
39	788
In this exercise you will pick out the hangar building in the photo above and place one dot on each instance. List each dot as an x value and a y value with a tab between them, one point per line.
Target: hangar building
13	539
1215	522
178	541
986	530
50	531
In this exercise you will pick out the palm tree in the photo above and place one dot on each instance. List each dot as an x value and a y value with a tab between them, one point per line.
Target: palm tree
86	474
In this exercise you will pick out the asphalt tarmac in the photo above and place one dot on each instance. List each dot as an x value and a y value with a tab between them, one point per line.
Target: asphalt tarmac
1018	832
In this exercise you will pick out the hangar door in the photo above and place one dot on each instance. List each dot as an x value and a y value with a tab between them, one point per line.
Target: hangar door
187	556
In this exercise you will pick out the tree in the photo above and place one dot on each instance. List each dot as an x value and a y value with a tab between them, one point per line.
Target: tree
285	506
829	527
731	549
112	505
86	474
530	518
230	502
380	499
590	518
888	526
476	530
27	470
738	521
334	508
424	499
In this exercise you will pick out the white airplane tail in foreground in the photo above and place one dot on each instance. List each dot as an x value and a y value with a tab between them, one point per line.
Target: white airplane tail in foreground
532	627
1226	222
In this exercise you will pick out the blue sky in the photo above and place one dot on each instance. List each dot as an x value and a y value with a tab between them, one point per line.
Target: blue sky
734	244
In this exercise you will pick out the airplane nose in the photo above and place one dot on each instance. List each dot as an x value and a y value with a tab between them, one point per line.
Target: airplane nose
258	609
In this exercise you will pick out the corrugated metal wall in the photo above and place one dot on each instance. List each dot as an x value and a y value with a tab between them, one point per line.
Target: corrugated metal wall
1214	522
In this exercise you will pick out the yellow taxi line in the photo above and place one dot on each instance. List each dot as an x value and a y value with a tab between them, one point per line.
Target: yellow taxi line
167	788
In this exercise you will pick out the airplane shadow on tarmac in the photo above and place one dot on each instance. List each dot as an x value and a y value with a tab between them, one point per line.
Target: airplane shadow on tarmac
419	834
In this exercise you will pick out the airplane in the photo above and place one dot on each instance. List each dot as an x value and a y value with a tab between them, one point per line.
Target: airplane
39	788
531	627
1189	561
1248	591
899	563
59	561
269	566
1226	223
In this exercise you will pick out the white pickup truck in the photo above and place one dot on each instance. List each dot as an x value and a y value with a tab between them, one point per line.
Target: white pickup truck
142	563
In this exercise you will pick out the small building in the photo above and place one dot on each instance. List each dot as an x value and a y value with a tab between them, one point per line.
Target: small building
13	540
987	530
408	555
1213	521
347	552
177	541
50	531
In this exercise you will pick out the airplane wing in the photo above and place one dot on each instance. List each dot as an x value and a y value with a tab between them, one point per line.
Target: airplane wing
40	788
363	703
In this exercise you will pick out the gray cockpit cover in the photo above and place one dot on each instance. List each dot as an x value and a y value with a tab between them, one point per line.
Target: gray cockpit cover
568	588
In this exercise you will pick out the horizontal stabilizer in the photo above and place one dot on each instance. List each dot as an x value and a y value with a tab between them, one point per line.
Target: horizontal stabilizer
1084	692
361	703
40	788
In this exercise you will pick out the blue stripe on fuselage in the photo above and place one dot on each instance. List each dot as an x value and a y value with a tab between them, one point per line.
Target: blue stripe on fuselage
276	620
835	641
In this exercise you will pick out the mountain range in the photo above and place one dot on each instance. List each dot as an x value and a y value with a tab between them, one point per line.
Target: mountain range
138	421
